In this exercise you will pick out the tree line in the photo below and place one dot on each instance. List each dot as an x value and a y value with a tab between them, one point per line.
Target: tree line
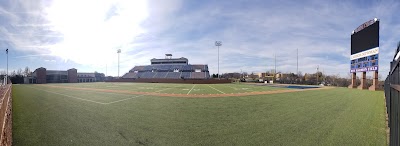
17	76
306	79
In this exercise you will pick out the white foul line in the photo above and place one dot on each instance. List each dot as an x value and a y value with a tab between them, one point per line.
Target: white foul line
216	89
233	87
87	99
123	99
191	89
101	92
69	96
162	90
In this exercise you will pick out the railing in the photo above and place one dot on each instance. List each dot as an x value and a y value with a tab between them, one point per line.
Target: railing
6	115
392	94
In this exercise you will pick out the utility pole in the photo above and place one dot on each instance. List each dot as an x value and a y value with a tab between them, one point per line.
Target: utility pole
7	67
241	73
241	76
118	51
297	63
317	73
275	67
323	75
218	43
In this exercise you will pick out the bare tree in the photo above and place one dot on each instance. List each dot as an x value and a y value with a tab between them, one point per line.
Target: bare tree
13	73
349	75
244	74
27	71
19	72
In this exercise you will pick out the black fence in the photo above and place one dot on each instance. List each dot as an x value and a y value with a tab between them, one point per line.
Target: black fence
392	94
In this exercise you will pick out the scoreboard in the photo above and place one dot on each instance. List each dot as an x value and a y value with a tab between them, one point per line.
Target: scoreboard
365	47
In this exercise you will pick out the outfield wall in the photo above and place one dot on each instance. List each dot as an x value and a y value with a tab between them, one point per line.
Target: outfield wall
183	81
6	115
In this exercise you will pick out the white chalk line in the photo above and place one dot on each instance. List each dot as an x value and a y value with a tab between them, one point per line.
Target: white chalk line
68	95
123	99
233	87
101	92
162	90
86	99
216	89
191	89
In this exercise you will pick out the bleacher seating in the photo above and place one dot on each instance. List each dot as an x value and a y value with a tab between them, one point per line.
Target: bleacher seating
163	67
137	68
148	68
140	74
173	75
179	67
130	75
170	71
160	75
186	75
148	75
187	68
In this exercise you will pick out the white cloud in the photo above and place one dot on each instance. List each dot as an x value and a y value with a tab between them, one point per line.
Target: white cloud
89	32
53	61
90	35
320	31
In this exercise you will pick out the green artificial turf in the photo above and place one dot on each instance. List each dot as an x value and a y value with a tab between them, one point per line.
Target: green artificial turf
56	116
175	88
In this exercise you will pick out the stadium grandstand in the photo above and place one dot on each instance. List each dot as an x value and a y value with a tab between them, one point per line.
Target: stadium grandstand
169	68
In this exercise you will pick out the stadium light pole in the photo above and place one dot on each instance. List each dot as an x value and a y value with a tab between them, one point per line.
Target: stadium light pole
106	69
118	51
7	67
275	66
317	73
218	43
297	67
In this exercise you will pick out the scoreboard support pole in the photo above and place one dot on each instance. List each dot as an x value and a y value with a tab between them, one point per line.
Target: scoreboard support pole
375	81
353	80
363	81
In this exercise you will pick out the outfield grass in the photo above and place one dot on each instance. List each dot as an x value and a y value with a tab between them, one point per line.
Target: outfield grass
175	88
56	116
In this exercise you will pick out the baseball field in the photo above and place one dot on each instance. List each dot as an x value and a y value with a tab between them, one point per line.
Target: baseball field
195	114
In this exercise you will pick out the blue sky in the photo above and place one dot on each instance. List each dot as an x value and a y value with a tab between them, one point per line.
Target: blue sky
86	34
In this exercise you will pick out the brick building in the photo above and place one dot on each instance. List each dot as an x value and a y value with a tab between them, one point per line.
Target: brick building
43	76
